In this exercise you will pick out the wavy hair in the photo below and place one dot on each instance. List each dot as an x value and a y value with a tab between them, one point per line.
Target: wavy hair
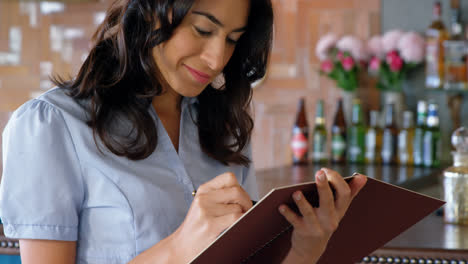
120	77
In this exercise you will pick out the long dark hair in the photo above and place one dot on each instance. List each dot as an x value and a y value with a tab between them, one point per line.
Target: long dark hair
119	78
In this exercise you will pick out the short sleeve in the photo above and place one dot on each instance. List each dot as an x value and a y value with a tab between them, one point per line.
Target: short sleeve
41	189
249	182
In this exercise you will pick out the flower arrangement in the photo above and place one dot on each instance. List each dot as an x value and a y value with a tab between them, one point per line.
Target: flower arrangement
341	59
393	56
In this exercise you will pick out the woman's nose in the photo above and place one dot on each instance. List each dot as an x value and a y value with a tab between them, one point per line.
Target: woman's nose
214	54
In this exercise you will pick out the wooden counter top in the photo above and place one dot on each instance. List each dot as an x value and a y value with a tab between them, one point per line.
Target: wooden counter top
409	177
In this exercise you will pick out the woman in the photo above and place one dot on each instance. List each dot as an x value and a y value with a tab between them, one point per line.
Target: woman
147	160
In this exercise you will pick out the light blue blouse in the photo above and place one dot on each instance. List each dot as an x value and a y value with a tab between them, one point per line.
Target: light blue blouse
57	185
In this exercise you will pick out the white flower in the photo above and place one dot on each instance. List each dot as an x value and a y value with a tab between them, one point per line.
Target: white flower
375	47
353	45
411	47
324	45
390	40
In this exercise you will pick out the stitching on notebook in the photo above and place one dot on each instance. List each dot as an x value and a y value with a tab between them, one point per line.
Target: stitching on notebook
266	244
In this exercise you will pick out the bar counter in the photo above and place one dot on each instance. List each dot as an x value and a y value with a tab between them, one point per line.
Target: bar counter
409	177
430	241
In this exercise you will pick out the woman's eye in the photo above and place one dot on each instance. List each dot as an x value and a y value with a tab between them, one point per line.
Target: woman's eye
202	32
231	41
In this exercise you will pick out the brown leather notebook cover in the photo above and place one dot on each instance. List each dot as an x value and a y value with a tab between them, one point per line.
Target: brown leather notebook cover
377	214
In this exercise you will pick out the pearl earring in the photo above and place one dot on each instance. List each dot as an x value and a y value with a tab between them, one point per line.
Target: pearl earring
219	81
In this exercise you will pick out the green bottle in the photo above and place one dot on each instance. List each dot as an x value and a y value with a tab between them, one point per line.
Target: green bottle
432	138
373	139
405	140
419	133
389	152
356	135
319	136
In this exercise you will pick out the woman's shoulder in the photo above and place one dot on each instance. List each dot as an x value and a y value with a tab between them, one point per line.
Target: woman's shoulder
53	102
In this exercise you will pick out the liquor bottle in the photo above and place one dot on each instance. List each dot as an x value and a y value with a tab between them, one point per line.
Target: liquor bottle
373	139
419	133
432	138
436	34
405	140
338	144
319	137
300	137
357	135
455	75
389	137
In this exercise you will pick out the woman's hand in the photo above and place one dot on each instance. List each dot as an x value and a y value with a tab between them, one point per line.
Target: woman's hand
217	205
314	228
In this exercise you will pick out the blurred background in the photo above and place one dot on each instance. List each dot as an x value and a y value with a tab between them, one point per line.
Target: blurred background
40	38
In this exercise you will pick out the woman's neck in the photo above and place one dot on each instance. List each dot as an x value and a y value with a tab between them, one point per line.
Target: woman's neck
167	103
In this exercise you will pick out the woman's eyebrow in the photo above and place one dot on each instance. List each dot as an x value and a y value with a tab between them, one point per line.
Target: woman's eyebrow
216	21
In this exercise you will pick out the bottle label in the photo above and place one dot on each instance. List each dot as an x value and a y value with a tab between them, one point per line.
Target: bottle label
338	146
320	142
433	78
403	147
428	149
418	146
387	147
299	145
370	145
354	151
432	149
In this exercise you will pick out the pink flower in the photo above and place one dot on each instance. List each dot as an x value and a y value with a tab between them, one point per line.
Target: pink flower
354	46
340	55
374	64
396	64
324	45
390	40
326	66
375	47
348	63
391	56
411	47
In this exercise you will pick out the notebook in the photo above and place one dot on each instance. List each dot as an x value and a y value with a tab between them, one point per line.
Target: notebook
376	215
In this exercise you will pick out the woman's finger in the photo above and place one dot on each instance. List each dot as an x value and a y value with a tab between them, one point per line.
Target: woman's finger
231	195
326	200
294	219
309	217
357	184
218	210
342	191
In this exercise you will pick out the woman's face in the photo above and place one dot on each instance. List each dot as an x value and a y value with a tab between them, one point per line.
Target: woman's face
201	45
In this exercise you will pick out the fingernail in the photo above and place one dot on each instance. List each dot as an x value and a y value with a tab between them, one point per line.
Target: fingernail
321	176
297	196
355	174
282	209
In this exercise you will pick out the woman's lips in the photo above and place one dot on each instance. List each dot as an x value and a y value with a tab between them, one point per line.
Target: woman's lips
199	76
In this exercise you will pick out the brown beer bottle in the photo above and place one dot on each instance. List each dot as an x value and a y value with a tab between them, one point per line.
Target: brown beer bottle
300	136
436	34
338	140
390	137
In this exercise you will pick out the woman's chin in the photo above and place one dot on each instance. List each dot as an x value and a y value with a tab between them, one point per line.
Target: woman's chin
192	92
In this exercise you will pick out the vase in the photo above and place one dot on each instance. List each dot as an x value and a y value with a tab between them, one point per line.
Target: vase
398	101
348	98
